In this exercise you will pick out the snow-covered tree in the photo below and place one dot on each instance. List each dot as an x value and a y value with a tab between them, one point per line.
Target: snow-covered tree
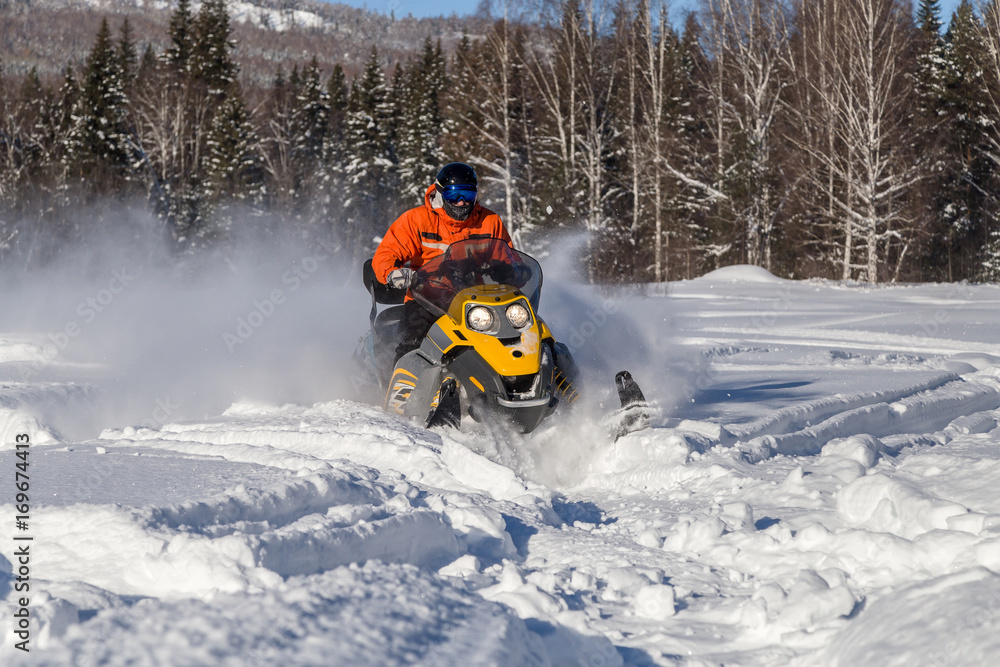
369	190
98	144
277	139
420	121
852	62
310	119
234	172
181	33
211	57
659	183
746	40
487	104
338	92
128	56
966	195
573	74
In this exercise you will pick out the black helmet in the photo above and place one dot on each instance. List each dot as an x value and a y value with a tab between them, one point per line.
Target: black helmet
459	188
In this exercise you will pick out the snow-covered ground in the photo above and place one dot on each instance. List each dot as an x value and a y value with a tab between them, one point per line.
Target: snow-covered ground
819	487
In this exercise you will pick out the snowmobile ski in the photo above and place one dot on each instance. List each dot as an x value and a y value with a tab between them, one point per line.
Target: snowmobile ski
634	413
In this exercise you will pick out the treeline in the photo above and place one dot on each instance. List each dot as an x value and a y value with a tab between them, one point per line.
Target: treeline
832	138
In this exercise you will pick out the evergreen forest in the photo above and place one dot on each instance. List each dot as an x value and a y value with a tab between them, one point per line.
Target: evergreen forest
841	139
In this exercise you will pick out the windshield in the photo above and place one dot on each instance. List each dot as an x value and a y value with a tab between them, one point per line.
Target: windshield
471	263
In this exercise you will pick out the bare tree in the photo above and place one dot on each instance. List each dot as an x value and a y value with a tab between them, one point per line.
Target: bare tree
574	76
488	109
871	160
663	173
172	116
746	40
812	61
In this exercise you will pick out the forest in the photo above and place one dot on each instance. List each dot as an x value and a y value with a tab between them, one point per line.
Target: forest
841	139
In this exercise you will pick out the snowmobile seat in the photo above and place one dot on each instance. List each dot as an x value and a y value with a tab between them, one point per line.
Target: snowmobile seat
381	293
386	325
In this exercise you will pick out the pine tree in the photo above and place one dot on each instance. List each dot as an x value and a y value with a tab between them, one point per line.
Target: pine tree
211	58
461	114
69	97
310	123
147	65
181	32
337	91
234	170
933	120
334	149
420	121
98	143
971	210
368	164
929	19
310	120
128	57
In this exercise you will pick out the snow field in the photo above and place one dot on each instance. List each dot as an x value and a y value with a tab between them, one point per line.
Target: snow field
818	488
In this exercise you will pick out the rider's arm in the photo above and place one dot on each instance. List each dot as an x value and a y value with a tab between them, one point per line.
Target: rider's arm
399	245
501	231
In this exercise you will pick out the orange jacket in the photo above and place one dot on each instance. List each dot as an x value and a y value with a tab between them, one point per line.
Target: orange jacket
425	232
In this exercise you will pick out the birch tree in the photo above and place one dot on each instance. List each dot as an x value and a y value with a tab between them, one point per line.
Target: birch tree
814	52
487	108
574	77
872	108
747	39
989	39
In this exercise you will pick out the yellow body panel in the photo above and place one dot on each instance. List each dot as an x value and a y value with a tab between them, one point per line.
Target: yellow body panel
501	357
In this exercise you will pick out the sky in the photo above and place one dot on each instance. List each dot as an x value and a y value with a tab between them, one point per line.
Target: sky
423	8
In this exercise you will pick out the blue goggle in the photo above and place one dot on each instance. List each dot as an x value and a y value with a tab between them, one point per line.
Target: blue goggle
453	194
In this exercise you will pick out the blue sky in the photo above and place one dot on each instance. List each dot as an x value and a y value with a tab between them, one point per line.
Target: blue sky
421	8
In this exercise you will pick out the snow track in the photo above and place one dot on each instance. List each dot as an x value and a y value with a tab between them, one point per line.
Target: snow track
914	410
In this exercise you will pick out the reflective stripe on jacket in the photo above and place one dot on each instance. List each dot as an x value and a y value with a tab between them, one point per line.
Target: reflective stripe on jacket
425	232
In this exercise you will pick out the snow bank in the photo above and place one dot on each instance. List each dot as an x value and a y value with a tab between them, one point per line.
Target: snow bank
949	620
374	615
741	273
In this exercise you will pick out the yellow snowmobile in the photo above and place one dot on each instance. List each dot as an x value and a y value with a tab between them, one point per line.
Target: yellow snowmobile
488	355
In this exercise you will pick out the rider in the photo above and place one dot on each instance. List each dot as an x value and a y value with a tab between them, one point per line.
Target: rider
450	213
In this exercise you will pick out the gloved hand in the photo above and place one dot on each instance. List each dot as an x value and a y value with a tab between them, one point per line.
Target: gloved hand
401	278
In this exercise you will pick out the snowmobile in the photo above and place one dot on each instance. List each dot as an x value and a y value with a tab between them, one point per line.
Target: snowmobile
488	355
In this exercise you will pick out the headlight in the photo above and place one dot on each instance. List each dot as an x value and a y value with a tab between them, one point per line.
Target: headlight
480	318
517	315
